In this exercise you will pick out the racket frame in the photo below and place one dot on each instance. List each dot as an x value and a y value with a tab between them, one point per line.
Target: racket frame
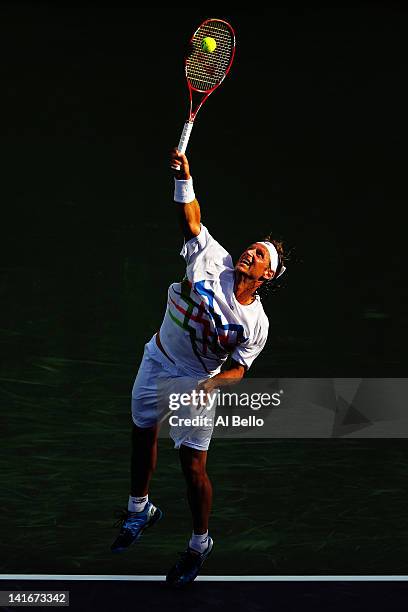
188	126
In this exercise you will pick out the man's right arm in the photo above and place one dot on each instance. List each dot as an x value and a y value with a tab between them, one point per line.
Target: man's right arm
188	212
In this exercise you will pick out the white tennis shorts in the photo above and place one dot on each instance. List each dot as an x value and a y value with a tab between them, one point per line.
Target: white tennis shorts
156	379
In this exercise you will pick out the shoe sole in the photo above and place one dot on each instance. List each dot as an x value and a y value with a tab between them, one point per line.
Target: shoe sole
180	585
154	519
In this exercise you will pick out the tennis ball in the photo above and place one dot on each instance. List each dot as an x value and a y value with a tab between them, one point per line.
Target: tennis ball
208	44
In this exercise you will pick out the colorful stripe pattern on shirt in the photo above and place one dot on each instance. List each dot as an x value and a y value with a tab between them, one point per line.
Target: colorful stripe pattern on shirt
211	337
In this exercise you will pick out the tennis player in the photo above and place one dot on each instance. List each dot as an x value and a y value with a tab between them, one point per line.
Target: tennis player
215	314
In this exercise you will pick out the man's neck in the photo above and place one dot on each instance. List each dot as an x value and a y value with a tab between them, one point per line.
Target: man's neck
244	290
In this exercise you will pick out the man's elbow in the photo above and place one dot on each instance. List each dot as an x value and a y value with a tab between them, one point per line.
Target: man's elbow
195	229
242	371
239	369
191	230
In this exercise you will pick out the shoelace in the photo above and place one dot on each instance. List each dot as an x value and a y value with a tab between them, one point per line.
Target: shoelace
122	516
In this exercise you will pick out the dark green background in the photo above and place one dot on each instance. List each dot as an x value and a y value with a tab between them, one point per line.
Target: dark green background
307	138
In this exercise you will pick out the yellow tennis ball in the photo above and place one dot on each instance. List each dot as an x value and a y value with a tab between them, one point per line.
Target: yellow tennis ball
208	44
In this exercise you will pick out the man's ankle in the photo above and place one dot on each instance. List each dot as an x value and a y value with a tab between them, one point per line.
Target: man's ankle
137	503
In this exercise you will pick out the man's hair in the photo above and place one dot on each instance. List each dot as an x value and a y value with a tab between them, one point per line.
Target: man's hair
273	284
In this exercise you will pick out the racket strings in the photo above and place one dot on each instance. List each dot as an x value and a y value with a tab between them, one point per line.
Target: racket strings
205	70
210	67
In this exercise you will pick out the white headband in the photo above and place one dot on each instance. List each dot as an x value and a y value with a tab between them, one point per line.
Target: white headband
273	254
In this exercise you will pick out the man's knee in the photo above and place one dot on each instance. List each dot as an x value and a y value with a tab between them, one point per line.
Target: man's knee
144	433
196	474
193	463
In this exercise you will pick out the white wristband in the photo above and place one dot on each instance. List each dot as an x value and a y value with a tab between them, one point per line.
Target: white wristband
184	191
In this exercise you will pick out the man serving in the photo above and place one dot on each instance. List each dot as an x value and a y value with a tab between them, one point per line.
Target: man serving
213	315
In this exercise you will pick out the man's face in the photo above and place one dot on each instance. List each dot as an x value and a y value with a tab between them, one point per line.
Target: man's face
255	262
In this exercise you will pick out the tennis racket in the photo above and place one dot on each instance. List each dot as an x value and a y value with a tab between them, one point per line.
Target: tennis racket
205	70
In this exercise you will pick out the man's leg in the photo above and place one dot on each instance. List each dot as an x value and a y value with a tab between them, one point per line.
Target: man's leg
199	493
141	512
199	489
143	460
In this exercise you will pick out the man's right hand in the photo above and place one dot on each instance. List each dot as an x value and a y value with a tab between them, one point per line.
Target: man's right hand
179	164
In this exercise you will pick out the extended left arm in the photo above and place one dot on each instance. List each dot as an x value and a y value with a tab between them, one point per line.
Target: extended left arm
231	376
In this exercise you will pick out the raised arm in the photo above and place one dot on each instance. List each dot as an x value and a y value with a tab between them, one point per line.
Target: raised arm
188	212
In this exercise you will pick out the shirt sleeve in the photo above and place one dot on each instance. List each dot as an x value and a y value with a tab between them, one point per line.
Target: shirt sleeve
196	245
204	256
248	351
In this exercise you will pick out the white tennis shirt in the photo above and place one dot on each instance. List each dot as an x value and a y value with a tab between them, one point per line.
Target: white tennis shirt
204	323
